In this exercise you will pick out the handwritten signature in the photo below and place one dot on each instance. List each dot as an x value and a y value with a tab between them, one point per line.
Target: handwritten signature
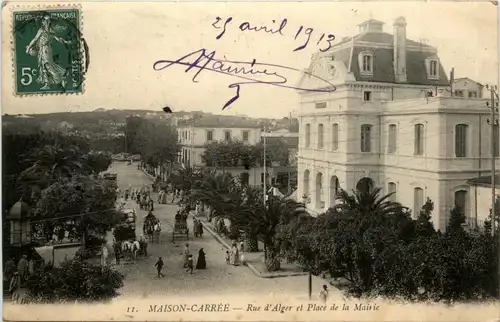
325	40
251	72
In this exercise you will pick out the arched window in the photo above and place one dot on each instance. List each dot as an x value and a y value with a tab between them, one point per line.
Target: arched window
392	138
334	189
320	136
319	190
461	140
335	137
365	60
461	202
308	135
419	139
365	185
306	182
391	188
418	201
366	138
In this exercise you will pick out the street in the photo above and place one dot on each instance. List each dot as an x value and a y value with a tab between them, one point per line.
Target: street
219	278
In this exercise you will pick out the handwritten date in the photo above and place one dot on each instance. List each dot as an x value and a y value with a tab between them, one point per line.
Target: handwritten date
303	34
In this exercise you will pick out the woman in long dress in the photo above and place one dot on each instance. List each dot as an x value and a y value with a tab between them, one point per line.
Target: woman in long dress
201	262
49	73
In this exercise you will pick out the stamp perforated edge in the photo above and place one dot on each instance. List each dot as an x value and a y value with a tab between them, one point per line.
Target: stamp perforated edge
41	7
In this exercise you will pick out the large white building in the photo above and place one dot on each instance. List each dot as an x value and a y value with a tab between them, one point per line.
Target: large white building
194	133
390	123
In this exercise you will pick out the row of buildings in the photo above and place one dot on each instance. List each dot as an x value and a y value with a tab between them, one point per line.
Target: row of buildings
195	132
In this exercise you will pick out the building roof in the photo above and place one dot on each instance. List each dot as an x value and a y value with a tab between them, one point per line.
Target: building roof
220	121
484	181
468	79
291	142
349	48
19	211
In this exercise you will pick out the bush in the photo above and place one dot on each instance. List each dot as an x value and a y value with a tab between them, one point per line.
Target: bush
75	280
391	255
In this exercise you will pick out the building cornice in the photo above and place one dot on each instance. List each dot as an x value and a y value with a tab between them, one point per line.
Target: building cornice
360	43
440	111
347	164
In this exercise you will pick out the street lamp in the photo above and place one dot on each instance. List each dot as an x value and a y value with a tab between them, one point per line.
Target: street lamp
20	225
493	122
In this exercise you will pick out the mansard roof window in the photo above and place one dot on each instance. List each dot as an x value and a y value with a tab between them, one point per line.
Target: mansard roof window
432	66
365	60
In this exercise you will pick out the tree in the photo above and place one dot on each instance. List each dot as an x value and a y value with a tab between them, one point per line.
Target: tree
87	204
74	280
97	162
277	151
237	153
245	208
186	178
155	142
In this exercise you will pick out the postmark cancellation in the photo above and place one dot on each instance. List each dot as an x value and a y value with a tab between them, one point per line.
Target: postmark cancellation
50	55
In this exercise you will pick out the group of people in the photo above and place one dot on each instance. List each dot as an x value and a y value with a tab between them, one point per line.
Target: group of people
201	262
162	197
236	256
143	198
188	261
197	228
17	275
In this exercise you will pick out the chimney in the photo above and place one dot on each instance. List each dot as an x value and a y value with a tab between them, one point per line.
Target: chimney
400	50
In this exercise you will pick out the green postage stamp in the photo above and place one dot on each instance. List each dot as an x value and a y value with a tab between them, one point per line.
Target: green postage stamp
50	54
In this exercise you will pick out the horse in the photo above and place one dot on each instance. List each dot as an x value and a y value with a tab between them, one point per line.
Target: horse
130	248
137	248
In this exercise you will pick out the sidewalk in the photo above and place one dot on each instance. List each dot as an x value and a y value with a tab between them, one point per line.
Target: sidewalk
254	261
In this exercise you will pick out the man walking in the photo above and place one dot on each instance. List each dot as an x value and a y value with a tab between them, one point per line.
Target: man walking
159	266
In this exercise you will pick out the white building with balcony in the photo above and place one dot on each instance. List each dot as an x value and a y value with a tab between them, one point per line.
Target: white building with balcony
390	123
194	133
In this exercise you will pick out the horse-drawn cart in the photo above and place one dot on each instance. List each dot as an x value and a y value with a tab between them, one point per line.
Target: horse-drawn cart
152	228
181	229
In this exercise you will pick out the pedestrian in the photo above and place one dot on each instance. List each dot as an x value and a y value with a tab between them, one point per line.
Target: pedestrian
228	257
186	255
200	228
323	295
235	256
14	286
159	266
144	245
117	247
22	268
201	263
189	267
10	268
195	227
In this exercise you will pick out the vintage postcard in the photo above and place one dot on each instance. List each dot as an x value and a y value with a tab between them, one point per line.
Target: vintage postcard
250	161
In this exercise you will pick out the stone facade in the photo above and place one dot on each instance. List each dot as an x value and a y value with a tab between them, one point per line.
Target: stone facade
403	133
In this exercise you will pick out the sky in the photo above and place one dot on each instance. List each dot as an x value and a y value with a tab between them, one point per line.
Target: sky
125	39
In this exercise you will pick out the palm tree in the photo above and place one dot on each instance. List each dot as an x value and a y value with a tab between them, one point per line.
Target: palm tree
368	202
51	163
220	192
186	177
264	220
